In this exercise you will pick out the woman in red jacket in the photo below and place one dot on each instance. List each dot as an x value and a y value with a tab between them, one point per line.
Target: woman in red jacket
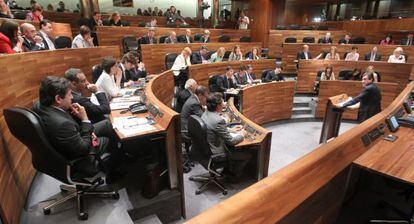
10	42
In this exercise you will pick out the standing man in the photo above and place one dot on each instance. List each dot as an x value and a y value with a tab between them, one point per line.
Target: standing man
369	99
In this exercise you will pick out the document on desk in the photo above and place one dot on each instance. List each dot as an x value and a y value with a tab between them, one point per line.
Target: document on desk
131	125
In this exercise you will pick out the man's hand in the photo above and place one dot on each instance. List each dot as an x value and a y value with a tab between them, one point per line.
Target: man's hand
92	87
38	39
236	128
79	111
141	66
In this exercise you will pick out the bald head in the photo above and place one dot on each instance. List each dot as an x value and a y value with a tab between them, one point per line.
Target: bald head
28	30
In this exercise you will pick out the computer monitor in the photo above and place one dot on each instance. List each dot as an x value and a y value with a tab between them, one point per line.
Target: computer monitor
392	123
408	106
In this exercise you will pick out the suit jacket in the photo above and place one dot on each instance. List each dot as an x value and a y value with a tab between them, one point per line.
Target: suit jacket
46	46
301	55
182	98
241	79
203	40
29	46
196	58
343	41
272	76
370	102
217	133
405	40
191	107
323	40
95	112
146	40
135	74
190	38
368	57
169	41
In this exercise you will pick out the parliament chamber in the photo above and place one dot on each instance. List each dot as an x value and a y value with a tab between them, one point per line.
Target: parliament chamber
219	111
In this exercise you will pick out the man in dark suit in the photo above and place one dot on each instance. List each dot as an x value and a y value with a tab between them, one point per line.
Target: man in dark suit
199	57
373	55
128	62
241	76
326	39
95	112
304	54
188	37
219	138
408	41
193	106
206	37
171	39
275	75
69	129
149	38
369	99
220	83
346	40
189	89
31	41
45	32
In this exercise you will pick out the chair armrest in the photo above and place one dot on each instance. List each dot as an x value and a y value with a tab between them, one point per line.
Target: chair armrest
219	158
72	162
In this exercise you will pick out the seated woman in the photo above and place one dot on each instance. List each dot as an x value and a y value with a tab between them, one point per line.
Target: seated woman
236	54
397	56
327	74
5	11
254	54
36	14
218	55
353	55
10	41
110	79
387	41
115	19
332	55
370	69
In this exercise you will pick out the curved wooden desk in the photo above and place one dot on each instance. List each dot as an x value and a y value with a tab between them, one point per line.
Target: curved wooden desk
319	178
20	76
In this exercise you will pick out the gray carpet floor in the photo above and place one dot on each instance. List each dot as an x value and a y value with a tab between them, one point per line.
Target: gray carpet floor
290	141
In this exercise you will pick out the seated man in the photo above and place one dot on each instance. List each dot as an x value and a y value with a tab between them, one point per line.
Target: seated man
45	33
31	41
326	39
224	82
96	112
346	40
70	131
189	89
241	76
172	38
353	55
206	37
250	76
188	37
409	40
138	71
83	39
373	55
127	64
219	138
304	54
193	106
200	57
275	75
149	38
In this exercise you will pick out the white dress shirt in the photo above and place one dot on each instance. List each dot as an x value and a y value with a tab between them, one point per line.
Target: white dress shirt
79	42
49	42
352	57
106	83
393	59
180	63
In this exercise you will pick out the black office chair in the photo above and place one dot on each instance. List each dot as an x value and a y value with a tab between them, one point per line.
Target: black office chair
265	52
20	15
197	37
247	54
141	24
294	27
264	73
306	28
130	43
26	126
201	152
345	74
106	22
96	72
308	40
245	39
63	42
280	27
125	23
208	56
224	39
212	79
359	40
181	39
290	40
226	55
169	60
322	27
162	39
171	25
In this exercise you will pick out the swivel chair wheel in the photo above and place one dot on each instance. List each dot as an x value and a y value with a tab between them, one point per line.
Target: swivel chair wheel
46	211
191	178
225	192
186	169
198	192
83	216
115	196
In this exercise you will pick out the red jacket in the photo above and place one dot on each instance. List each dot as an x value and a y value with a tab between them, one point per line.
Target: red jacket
5	45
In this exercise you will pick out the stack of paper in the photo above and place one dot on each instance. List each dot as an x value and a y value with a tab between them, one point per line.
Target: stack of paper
131	125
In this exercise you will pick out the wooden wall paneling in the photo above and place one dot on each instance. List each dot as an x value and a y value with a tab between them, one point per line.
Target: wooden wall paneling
59	29
268	102
260	12
65	17
390	72
19	88
290	52
114	35
153	56
352	88
281	194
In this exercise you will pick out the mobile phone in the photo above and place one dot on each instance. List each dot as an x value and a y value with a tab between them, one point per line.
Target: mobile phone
390	138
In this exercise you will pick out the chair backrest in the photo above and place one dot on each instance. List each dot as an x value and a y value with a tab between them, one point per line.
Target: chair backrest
318	76
130	43
125	23
63	42
290	40
197	37
162	39
171	25
212	79
345	74
96	72
208	56
245	39
224	39
294	27
264	73
141	24
265	52
106	22
25	125
359	40
200	150
226	55
181	39
322	28
169	60
306	28
20	15
280	27
184	25
308	40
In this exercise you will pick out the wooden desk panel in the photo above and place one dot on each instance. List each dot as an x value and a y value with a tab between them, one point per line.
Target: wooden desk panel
114	35
202	72
392	159
65	17
290	52
20	75
277	38
268	102
390	72
352	88
59	29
